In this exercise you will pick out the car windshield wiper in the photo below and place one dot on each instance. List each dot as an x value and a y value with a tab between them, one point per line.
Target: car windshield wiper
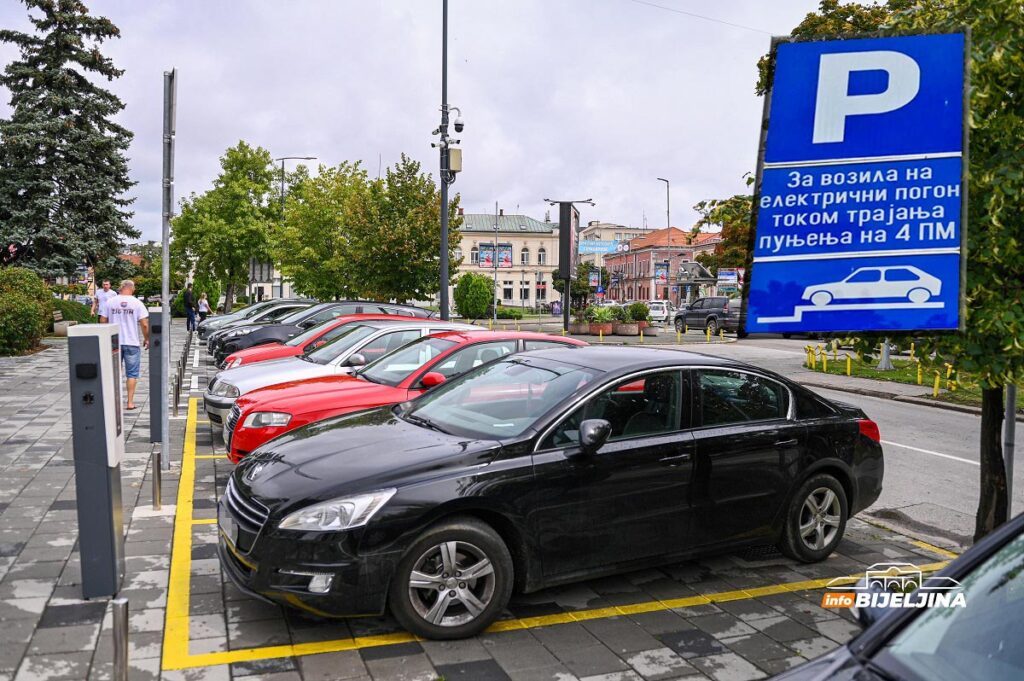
425	422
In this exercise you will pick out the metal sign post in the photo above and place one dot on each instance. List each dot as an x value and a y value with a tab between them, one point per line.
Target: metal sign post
1009	436
94	362
170	104
568	227
861	188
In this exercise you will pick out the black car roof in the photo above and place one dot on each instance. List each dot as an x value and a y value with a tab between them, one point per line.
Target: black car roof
629	358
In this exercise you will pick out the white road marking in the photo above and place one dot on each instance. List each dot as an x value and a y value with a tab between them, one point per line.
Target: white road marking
928	451
195	360
194	386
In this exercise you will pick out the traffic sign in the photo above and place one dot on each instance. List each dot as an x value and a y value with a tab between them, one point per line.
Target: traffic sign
861	194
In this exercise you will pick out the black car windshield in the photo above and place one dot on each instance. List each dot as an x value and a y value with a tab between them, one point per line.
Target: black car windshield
299	315
252	311
981	640
394	368
351	337
502	399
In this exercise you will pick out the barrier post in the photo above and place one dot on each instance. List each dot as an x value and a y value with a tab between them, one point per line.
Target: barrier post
935	389
679	337
824	362
157	474
600	335
920	374
120	630
849	365
707	332
641	336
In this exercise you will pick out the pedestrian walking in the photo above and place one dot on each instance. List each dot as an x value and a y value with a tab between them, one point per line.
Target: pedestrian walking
204	307
128	312
190	308
101	296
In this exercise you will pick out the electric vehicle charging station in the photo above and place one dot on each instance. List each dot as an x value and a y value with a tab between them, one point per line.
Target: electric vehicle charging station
157	386
94	363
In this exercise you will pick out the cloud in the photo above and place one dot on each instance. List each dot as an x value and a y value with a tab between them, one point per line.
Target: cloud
562	99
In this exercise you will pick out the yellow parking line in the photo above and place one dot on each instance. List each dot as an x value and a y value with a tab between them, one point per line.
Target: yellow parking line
176	633
934	549
211	456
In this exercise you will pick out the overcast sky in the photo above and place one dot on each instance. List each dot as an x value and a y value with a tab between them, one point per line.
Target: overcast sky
564	99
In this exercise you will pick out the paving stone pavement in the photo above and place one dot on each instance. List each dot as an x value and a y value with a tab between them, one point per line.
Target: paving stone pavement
48	632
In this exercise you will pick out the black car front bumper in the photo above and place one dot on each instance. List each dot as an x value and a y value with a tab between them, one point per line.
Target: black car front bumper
279	566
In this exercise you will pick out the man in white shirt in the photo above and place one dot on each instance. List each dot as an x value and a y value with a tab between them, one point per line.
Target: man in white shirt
102	296
128	313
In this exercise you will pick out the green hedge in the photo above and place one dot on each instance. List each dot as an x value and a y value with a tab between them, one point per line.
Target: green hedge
73	312
26	282
26	306
509	313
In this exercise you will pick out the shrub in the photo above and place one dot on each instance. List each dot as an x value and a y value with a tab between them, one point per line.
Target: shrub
73	312
473	295
27	283
638	312
22	322
602	315
509	313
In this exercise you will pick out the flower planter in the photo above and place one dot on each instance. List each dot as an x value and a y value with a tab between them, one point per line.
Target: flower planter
643	324
652	330
627	329
579	328
600	328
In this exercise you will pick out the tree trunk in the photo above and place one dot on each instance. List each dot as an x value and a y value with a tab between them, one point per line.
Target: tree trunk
992	506
229	296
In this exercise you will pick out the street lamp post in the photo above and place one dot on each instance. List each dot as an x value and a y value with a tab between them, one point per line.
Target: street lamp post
282	159
450	164
668	230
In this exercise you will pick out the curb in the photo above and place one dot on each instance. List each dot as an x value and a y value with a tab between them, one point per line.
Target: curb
920	401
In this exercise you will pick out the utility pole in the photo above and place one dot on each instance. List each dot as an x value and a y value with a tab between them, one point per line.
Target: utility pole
494	259
451	163
1009	432
668	230
170	104
252	269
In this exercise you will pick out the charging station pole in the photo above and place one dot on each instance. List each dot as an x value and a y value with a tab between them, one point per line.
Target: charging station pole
157	379
94	363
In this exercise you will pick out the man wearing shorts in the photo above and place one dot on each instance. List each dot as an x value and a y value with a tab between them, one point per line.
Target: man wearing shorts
128	313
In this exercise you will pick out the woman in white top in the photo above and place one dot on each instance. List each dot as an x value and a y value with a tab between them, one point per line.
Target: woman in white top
204	307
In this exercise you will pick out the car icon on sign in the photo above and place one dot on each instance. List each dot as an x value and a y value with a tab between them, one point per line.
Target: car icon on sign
903	281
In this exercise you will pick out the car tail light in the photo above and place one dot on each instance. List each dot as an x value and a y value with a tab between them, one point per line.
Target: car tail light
869	429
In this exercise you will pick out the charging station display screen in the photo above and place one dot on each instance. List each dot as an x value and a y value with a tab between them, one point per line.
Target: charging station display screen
116	362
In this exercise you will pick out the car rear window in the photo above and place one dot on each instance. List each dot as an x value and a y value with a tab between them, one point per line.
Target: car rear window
736	396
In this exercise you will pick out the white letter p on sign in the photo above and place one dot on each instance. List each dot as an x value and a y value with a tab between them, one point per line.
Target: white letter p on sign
834	103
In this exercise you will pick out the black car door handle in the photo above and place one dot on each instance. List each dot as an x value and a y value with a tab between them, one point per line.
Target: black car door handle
675	459
786	443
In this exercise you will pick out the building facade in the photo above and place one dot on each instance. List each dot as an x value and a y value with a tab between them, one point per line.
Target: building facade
639	272
607	233
526	256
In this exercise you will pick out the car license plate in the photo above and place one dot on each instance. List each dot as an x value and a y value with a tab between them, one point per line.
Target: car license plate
227	524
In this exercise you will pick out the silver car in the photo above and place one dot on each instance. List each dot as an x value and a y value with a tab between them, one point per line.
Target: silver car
358	345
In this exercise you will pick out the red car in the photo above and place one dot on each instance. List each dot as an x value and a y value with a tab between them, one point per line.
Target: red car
263	414
305	342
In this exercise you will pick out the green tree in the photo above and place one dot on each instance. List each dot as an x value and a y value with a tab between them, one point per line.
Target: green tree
733	217
63	171
473	294
314	245
218	232
395	235
580	289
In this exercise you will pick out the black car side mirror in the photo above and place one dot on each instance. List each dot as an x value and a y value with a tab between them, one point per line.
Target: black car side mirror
593	434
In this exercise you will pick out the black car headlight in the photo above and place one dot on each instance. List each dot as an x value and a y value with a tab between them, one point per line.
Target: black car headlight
343	513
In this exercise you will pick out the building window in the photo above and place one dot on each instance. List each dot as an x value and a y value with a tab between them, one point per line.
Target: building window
474	256
542	256
542	292
524	290
506	291
618	236
458	254
524	256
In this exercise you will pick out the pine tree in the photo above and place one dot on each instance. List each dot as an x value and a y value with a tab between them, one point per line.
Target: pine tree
63	170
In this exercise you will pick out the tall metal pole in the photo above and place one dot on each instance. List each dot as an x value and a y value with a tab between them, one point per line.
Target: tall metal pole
444	161
668	230
282	160
170	97
494	260
1009	433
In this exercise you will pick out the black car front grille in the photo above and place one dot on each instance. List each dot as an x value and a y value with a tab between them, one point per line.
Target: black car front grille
248	513
233	417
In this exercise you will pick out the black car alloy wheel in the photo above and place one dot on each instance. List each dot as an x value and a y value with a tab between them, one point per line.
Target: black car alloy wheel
712	327
816	519
453	581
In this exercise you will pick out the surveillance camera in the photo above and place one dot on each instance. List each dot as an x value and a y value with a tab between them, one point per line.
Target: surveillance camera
459	125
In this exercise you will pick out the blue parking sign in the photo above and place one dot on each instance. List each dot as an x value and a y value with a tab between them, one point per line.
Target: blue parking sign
860	215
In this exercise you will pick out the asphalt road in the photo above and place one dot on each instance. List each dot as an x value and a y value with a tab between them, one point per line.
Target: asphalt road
931	454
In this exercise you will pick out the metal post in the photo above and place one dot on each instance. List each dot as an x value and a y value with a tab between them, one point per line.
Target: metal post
1009	434
444	162
120	613
157	480
494	258
885	364
170	104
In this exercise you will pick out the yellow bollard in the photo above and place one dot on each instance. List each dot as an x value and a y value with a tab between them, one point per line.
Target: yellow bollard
935	389
679	337
824	361
949	370
563	330
490	325
600	335
721	334
920	374
708	334
641	336
849	365
813	360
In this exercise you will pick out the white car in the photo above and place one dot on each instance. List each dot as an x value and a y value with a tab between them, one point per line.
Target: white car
662	311
903	281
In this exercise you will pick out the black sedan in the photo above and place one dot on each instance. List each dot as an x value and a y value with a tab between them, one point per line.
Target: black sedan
290	327
541	469
981	639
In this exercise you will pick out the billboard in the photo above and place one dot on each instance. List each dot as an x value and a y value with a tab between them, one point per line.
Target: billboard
487	255
661	274
594	279
568	225
592	246
860	214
